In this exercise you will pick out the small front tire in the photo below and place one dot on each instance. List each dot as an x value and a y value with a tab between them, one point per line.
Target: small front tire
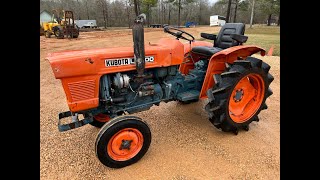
122	141
47	34
59	33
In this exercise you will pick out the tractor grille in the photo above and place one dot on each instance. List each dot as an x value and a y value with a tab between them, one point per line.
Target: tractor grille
82	90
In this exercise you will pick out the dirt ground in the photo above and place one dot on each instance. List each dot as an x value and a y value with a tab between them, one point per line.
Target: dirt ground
185	145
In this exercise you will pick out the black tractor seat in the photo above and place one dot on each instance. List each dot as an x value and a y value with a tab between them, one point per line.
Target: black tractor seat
206	51
222	41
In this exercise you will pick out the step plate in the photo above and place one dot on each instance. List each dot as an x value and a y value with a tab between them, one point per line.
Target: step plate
188	96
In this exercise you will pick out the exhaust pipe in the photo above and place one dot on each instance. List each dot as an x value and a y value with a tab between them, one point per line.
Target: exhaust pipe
138	45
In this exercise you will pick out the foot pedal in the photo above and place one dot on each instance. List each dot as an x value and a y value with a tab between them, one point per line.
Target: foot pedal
74	124
188	96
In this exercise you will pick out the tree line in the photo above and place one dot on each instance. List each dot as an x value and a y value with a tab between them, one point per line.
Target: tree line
121	13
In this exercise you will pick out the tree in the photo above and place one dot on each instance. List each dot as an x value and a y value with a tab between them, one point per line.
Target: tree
147	4
180	4
235	11
252	11
220	7
87	9
163	10
179	7
168	3
270	7
169	12
103	5
128	7
228	11
122	12
137	7
200	11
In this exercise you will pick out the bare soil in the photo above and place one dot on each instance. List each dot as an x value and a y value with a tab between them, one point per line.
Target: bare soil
185	145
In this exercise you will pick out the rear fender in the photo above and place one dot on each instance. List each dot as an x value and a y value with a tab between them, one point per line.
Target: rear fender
218	62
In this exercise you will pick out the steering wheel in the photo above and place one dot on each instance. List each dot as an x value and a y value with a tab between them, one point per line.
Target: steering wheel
179	33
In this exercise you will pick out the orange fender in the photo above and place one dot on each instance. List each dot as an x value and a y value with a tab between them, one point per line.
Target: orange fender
218	62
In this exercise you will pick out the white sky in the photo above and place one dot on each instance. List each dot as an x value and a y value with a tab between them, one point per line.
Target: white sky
212	1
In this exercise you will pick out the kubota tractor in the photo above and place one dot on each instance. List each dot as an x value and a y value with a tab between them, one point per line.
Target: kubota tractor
105	85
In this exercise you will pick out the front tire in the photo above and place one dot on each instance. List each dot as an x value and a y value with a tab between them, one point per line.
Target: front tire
122	141
58	32
75	36
47	34
239	95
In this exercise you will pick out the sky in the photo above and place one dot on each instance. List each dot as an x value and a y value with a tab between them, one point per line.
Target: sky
212	1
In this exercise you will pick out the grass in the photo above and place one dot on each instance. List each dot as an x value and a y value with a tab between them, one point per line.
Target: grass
265	37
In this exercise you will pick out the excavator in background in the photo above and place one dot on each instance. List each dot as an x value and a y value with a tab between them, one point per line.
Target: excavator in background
61	27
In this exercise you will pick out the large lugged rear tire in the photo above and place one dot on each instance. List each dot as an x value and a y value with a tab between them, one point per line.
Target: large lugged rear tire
239	95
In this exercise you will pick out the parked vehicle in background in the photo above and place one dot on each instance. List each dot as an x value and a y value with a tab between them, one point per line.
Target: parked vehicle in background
158	25
86	23
61	26
191	24
217	20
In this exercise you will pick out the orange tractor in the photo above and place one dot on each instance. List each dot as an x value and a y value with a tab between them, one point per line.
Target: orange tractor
105	85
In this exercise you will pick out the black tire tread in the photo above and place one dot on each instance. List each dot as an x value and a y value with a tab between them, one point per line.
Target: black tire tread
60	30
217	106
96	123
113	126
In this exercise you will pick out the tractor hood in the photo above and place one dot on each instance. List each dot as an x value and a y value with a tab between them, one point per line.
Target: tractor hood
166	52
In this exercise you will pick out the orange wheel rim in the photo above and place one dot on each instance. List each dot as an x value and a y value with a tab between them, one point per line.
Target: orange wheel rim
125	144
246	98
102	117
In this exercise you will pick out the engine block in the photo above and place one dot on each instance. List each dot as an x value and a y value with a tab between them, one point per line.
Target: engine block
121	92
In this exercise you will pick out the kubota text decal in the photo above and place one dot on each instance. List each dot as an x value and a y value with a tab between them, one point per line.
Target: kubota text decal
125	61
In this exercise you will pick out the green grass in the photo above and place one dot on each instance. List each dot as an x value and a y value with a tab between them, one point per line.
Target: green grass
263	29
265	37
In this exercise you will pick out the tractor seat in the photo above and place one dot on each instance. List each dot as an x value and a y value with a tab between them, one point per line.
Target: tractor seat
222	40
206	51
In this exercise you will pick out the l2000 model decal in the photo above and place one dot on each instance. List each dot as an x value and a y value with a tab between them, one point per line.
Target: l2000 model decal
125	61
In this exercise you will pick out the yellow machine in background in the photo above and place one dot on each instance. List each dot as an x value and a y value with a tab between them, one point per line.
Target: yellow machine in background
61	27
41	30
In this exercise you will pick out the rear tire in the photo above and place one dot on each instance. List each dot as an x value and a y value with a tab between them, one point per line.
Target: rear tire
76	35
239	95
122	141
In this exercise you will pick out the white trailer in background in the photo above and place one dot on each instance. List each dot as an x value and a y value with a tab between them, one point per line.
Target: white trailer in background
86	23
217	20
